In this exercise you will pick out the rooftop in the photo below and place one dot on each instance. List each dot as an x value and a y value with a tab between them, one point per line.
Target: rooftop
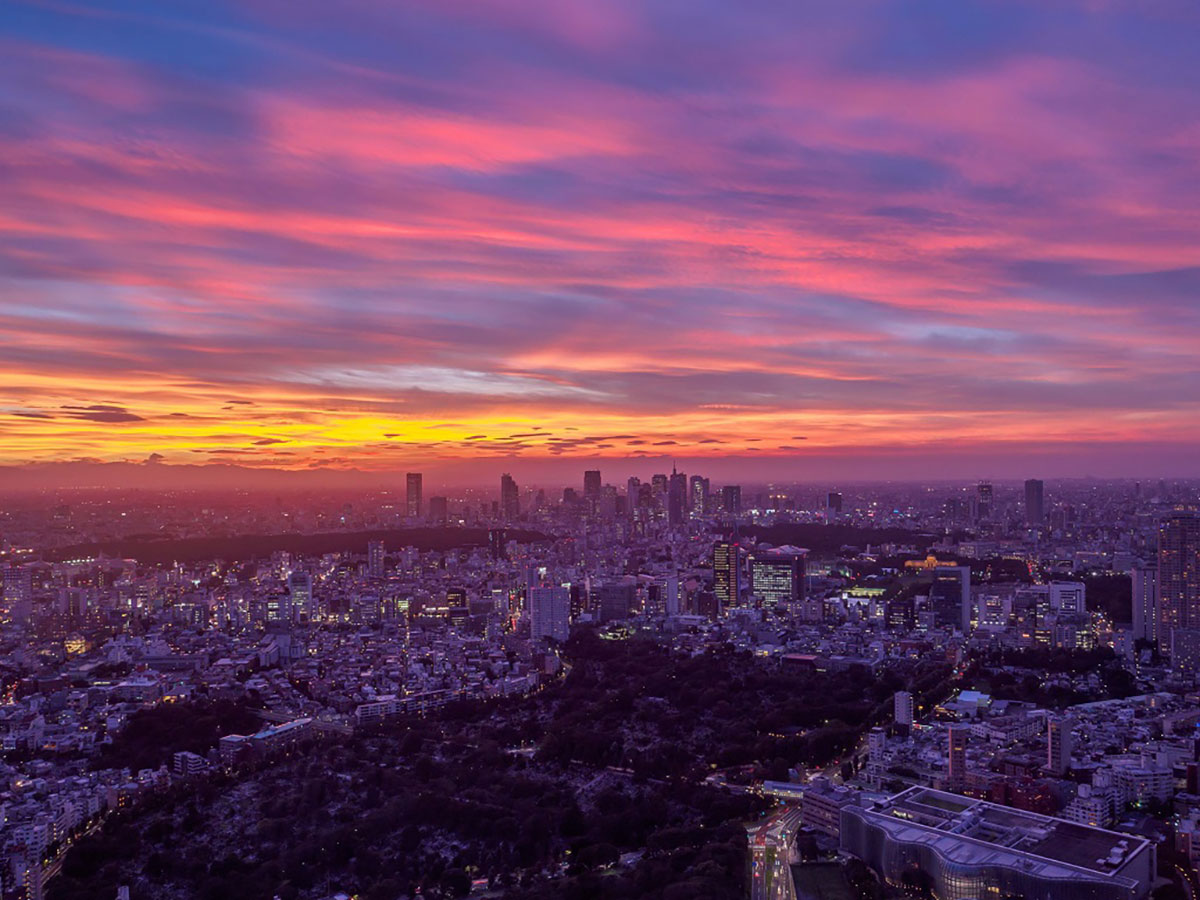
984	832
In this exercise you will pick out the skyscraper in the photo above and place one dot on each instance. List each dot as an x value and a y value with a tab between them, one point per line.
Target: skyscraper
833	503
957	756
591	486
498	543
1035	511
438	509
1058	746
549	613
731	499
1178	582
983	492
727	572
510	500
676	497
777	579
18	584
633	492
376	557
413	484
698	495
1145	602
614	599
950	596
304	603
902	705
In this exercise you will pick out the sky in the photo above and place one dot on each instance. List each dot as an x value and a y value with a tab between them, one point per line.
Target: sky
930	237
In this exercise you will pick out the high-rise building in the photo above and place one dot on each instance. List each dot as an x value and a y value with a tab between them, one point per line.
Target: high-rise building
1145	602
633	494
698	495
950	596
413	484
591	485
984	495
676	497
956	771
300	588
438	510
1178	582
1068	597
510	499
376	559
18	585
727	572
549	613
902	706
833	503
498	543
669	589
731	499
1035	510
1058	746
777	579
614	599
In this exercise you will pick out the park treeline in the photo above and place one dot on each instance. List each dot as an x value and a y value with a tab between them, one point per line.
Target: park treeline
590	789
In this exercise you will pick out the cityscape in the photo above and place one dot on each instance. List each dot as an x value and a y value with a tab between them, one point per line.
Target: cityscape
962	689
599	450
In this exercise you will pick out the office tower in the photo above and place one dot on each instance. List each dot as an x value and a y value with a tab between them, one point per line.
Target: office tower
950	596
698	495
633	494
1068	597
902	709
957	757
833	503
278	608
549	613
676	497
1035	510
877	756
606	503
727	572
376	559
498	543
658	483
591	485
731	499
1145	601
438	510
777	579
300	589
900	612
1178	583
670	587
983	493
413	484
614	599
18	585
510	501
1058	746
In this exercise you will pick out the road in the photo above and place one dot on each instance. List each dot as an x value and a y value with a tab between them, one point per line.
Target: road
771	846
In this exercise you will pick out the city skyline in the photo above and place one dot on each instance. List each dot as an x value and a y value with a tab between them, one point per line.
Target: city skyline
955	240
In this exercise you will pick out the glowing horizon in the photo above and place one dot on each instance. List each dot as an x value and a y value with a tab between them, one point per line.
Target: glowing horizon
375	236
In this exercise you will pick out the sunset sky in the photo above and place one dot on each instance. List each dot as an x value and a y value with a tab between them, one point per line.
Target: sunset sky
388	235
